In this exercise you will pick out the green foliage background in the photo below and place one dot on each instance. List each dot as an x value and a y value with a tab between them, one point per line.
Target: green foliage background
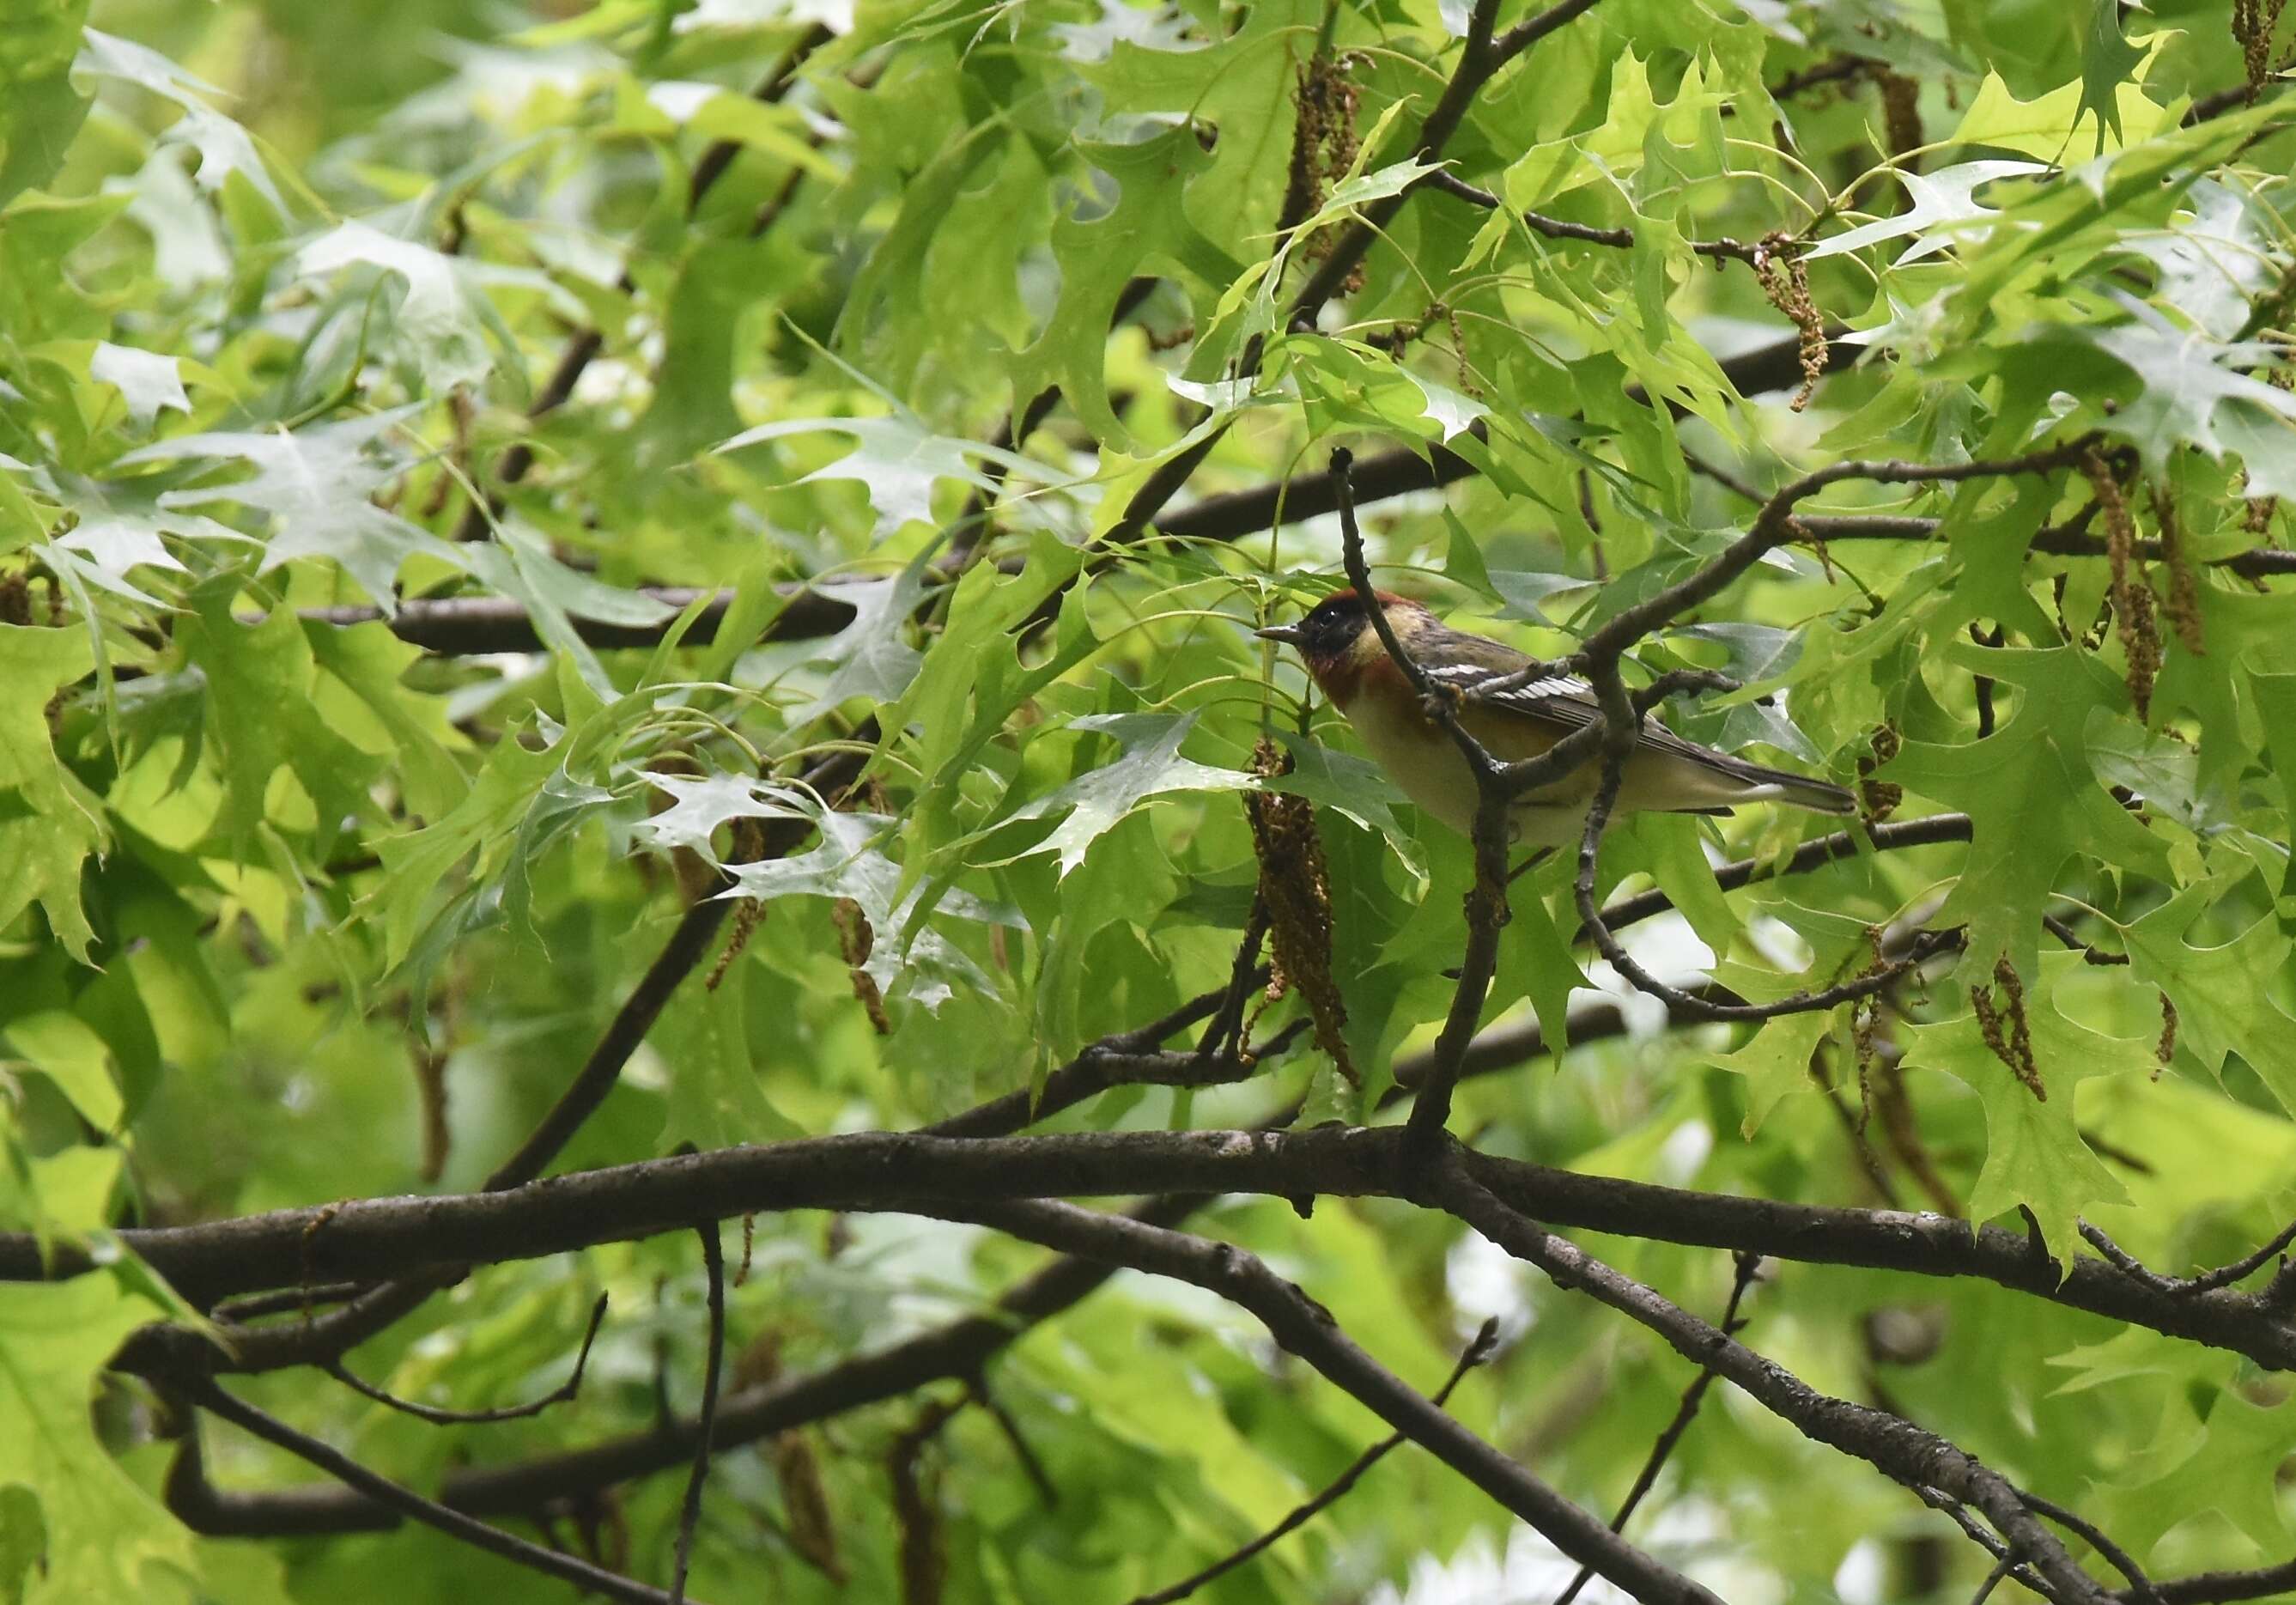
279	283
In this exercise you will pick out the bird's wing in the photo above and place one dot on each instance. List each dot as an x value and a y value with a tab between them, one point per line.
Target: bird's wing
1565	703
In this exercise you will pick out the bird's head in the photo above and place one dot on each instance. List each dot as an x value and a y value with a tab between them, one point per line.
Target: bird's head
1339	645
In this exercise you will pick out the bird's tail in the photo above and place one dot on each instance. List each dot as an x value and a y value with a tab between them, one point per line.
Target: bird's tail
1764	784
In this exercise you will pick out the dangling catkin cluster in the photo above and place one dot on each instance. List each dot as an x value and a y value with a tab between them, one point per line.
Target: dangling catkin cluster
856	939
2005	1028
2184	608
1295	888
1322	148
1784	279
2132	602
2252	23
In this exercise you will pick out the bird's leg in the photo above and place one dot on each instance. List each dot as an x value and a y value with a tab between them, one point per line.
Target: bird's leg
1442	703
1529	864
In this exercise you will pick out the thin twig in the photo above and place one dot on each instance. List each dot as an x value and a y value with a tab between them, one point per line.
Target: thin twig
1981	1535
437	1417
2140	1587
1587	234
1476	1353
1032	1465
689	1512
2089	952
2205	1282
1692	1396
204	1392
2002	1567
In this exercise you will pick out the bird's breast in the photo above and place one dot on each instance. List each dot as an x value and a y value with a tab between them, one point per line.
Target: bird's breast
1421	758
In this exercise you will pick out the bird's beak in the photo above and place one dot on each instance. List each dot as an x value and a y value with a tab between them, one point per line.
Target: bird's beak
1289	634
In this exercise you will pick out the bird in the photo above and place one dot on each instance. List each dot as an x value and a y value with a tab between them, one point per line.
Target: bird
1665	774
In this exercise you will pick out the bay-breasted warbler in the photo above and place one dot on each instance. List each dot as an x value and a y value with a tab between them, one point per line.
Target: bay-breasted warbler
1665	772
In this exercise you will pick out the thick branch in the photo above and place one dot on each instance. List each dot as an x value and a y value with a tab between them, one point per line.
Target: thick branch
893	1172
1893	1445
1305	1329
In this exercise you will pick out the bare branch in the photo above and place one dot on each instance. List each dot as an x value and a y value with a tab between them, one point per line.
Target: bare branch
1774	526
1895	1447
1304	1328
689	1511
2140	1587
437	1417
204	1392
2206	1282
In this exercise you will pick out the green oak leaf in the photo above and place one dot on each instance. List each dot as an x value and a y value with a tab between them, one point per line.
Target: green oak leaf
2222	994
2031	798
1149	767
850	862
1941	208
704	802
226	149
117	525
2035	1156
2192	390
2228	1464
104	1533
315	485
480	828
49	821
898	459
40	111
2108	62
1146	229
261	717
1239	85
67	1051
1353	786
1776	1061
437	315
2276	702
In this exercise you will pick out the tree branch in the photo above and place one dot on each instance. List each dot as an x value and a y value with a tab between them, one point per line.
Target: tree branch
903	1173
1895	1447
689	1510
1305	1329
1481	57
564	1392
204	1393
